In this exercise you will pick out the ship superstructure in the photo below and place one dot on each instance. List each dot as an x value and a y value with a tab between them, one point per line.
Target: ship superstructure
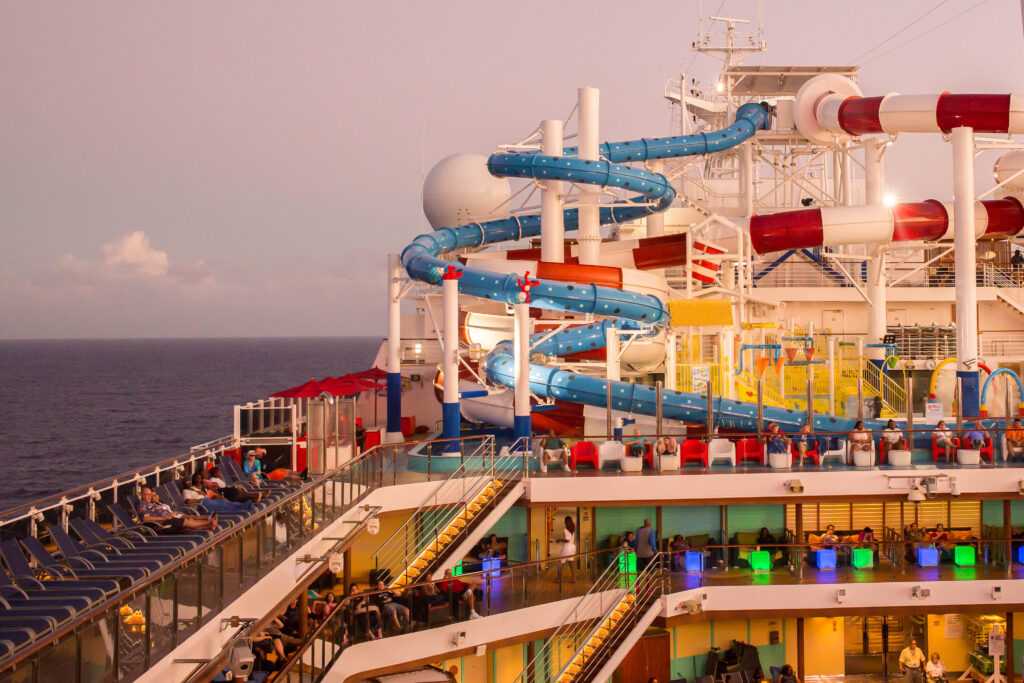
600	338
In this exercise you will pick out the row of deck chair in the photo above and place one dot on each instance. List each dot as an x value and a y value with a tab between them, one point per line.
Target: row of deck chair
36	601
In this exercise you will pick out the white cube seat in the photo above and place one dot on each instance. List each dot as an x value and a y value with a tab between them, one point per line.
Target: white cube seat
631	464
968	456
898	458
611	451
781	461
721	449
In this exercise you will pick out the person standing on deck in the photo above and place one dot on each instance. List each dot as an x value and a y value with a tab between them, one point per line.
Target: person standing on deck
646	545
911	661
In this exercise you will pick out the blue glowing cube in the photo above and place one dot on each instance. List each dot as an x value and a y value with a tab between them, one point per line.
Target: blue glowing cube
491	567
694	561
1020	554
927	556
825	559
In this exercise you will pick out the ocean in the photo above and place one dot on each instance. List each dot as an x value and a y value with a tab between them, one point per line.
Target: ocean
76	411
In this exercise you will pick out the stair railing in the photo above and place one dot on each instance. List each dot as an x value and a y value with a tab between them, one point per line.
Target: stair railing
567	645
439	510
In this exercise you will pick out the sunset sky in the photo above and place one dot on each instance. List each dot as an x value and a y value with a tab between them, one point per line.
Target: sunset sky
195	169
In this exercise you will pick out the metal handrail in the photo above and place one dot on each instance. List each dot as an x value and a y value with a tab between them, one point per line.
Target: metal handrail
431	499
647	587
605	582
203	451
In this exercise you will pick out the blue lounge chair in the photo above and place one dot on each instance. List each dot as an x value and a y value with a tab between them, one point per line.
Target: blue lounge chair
24	576
137	568
54	569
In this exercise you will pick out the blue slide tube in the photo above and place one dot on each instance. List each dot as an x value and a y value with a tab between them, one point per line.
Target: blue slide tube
633	311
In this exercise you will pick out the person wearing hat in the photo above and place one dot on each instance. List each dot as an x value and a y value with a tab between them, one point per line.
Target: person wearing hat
253	465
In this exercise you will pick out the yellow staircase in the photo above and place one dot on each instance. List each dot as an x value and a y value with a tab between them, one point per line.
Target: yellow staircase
607	627
876	384
746	390
449	535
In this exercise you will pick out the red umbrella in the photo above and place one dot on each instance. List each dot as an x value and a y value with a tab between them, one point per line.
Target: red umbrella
348	385
305	390
371	374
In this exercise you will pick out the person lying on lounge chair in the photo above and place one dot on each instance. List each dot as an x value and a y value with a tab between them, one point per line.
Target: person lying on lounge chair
166	520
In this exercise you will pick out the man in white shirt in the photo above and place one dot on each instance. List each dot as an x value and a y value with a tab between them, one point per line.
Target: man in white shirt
892	438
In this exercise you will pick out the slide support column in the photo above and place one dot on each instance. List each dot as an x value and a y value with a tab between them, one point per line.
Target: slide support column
964	245
874	186
552	226
589	145
450	415
521	366
393	432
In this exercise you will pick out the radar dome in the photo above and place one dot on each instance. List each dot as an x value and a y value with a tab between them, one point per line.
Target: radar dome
459	190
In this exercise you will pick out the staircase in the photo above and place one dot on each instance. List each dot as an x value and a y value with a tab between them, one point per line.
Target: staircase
1009	290
746	390
603	626
451	521
876	384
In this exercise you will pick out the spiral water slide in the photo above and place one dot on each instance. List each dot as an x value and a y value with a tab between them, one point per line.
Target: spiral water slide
624	309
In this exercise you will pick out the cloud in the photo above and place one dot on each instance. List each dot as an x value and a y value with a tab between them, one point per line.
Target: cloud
132	253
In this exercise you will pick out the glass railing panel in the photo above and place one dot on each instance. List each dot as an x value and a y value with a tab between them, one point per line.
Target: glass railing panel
60	662
132	637
160	625
232	568
188	606
97	651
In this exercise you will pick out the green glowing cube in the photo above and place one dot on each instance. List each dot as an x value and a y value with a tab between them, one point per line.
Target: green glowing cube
963	555
627	563
863	558
760	561
457	569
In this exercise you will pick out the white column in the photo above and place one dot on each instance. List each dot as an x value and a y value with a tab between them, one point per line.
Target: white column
727	344
612	369
874	185
847	167
393	431
964	245
552	227
747	177
656	221
451	419
589	144
671	383
521	367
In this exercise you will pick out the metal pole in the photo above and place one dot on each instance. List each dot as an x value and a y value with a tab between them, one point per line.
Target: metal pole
521	363
860	398
450	407
810	394
394	380
656	221
552	227
760	405
964	243
909	388
658	406
589	146
710	410
608	404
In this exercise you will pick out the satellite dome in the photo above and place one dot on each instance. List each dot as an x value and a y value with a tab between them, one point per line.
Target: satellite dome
459	190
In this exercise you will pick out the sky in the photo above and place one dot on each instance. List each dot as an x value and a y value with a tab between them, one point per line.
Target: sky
196	169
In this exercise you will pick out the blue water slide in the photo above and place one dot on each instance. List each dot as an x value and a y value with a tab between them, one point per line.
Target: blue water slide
628	310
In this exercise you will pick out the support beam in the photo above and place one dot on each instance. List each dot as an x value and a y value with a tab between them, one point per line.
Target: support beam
1011	665
552	227
450	415
964	244
656	221
394	379
521	364
612	369
800	648
874	288
747	177
589	142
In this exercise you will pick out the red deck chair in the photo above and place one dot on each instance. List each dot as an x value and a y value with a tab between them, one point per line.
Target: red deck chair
938	451
583	451
649	455
749	449
811	453
694	449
